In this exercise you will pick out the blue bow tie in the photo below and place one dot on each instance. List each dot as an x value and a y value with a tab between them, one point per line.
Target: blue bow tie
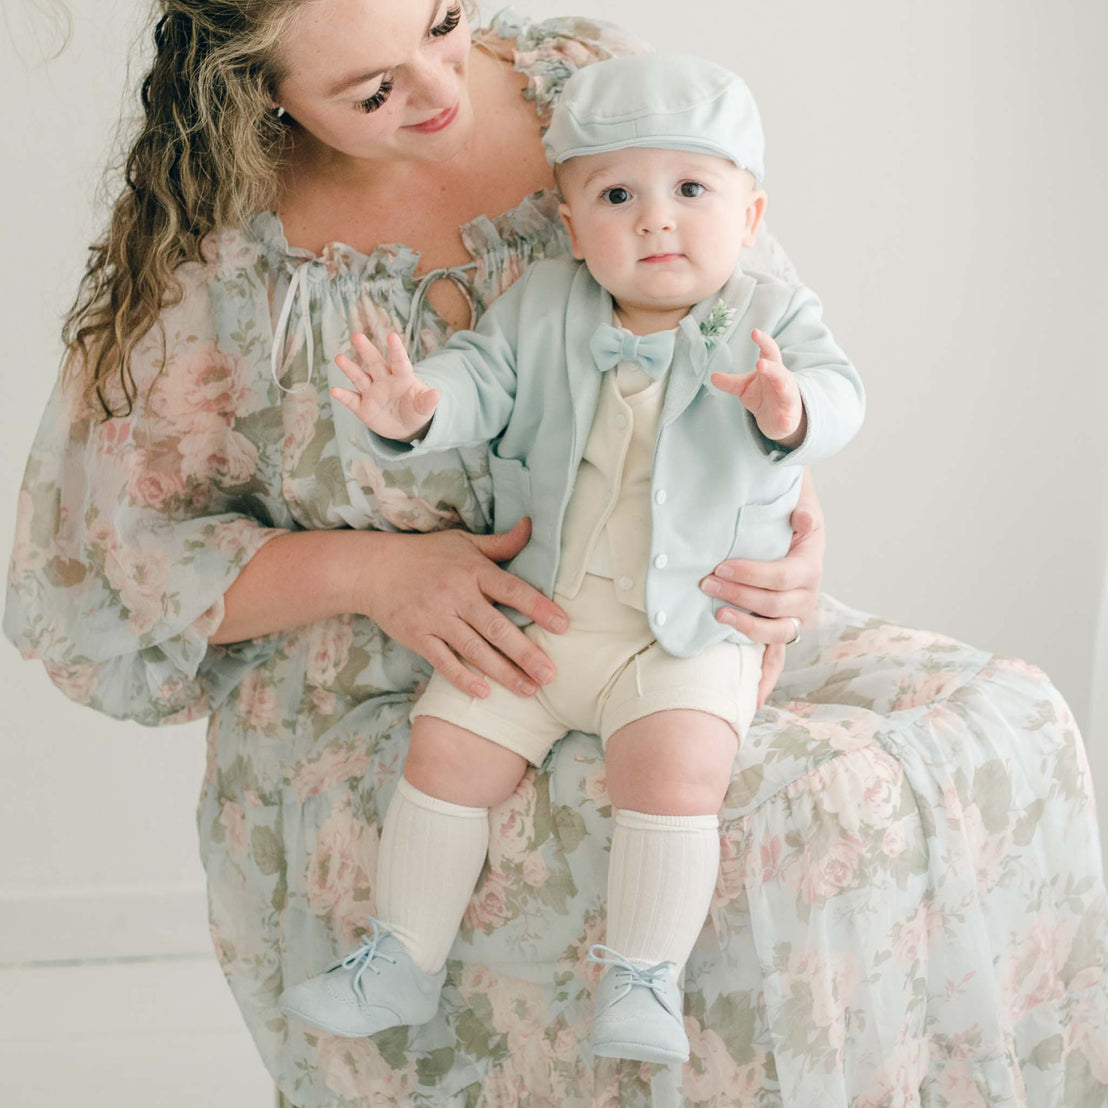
612	345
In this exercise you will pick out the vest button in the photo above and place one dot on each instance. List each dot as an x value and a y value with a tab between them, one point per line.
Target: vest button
625	582
621	420
660	561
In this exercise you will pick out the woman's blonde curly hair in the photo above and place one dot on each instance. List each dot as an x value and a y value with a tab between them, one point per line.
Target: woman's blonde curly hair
206	157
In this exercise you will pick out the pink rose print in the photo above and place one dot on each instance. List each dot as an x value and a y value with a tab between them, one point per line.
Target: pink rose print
1032	964
338	881
299	419
233	820
887	639
512	826
409	513
139	576
356	1071
213	452
203	385
329	650
334	765
489	907
257	701
77	682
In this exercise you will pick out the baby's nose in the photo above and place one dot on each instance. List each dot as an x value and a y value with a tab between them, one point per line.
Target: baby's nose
656	217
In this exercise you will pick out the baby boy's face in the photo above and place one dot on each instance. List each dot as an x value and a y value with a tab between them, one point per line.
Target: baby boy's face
659	229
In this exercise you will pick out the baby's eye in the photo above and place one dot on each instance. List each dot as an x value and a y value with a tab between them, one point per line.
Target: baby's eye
689	189
372	103
616	195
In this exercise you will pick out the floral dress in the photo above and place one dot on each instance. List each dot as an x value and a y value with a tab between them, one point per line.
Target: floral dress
910	907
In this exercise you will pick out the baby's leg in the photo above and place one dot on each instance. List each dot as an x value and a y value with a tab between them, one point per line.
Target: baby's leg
667	775
436	834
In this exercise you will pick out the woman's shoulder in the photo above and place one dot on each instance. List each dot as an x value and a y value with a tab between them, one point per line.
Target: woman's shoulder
550	51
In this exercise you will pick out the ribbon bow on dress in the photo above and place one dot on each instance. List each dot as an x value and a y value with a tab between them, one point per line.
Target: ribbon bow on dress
612	345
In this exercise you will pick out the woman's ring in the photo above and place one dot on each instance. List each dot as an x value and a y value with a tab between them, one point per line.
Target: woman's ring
796	632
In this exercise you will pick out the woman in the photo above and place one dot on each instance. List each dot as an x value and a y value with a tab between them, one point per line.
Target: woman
199	552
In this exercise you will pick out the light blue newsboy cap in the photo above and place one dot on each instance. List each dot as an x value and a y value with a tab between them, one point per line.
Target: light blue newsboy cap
671	101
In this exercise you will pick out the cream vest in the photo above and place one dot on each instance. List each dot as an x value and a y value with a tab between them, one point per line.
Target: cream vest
607	522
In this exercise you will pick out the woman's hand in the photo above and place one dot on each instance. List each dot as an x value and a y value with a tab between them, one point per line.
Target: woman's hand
435	594
777	592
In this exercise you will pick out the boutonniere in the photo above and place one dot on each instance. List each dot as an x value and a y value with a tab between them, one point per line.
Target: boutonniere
716	322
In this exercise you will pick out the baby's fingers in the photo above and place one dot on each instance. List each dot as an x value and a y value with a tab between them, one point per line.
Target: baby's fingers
371	361
350	399
358	377
769	348
734	383
426	402
399	362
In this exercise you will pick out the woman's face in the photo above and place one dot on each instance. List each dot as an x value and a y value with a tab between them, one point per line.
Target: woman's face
380	79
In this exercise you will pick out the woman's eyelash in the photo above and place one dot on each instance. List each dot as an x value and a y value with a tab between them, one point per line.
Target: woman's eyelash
450	21
372	103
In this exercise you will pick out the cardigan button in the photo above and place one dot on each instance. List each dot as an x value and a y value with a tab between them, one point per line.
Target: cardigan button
660	618
660	496
660	562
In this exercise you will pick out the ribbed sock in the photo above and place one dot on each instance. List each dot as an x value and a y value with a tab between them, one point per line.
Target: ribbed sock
661	875
431	855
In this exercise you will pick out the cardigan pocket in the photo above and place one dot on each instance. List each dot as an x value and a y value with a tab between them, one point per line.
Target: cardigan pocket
763	532
511	491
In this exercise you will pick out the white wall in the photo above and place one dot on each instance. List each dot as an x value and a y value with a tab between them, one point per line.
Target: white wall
938	174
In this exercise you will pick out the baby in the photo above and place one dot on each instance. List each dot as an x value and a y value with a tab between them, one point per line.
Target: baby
652	407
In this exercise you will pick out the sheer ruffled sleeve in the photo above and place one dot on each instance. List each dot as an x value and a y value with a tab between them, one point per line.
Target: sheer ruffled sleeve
128	532
550	51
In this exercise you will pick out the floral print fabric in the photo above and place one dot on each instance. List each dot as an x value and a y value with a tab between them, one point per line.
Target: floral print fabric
910	908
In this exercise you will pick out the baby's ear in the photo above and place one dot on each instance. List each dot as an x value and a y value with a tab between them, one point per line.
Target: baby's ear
567	219
755	210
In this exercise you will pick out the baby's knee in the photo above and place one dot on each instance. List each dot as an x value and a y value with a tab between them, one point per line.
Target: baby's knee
459	766
671	763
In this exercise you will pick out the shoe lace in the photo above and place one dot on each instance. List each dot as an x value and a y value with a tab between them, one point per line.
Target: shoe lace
629	975
366	954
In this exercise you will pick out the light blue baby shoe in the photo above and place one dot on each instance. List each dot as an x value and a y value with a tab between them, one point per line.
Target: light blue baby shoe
374	987
638	1011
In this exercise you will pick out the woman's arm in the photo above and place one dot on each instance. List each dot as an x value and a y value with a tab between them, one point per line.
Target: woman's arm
293	580
433	593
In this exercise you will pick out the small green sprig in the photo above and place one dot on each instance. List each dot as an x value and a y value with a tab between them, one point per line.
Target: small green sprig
716	322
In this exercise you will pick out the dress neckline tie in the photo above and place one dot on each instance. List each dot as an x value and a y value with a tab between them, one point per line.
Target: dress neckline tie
297	290
413	342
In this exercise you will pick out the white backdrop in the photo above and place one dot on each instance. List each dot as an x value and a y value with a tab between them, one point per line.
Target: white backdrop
938	174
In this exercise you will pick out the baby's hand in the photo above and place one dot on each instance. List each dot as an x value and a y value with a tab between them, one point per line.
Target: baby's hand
770	393
389	399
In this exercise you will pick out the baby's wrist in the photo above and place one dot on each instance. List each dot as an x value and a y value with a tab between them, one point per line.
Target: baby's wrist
793	440
418	433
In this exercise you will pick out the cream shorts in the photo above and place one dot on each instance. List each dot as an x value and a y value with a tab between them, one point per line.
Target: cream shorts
611	671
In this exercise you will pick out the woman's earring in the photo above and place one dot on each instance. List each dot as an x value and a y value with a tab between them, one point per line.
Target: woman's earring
280	112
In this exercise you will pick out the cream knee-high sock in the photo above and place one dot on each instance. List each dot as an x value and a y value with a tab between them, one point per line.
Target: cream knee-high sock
431	855
661	875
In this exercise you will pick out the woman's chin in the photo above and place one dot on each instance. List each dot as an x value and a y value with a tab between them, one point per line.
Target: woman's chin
443	145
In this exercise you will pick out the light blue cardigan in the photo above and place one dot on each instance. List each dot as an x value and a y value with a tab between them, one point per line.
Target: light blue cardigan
720	489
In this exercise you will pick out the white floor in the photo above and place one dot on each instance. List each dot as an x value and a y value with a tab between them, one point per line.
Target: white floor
126	1034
